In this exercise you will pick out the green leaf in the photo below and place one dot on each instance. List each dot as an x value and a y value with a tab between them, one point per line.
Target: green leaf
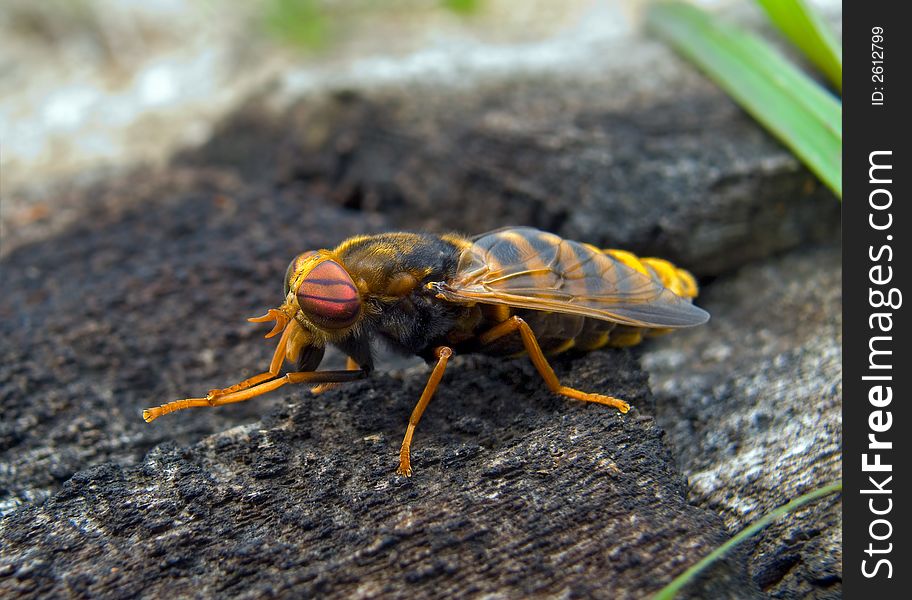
798	21
794	108
668	592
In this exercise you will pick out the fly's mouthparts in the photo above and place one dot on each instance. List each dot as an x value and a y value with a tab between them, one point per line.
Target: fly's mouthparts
273	314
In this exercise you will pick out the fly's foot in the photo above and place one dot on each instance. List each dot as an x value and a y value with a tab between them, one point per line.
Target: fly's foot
592	397
405	467
150	414
609	401
323	387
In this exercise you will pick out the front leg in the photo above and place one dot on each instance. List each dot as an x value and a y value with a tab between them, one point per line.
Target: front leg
278	357
239	396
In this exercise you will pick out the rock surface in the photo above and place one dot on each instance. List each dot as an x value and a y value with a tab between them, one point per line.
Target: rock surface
515	493
752	403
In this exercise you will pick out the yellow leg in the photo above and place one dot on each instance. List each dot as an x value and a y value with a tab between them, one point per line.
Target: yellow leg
541	363
254	391
274	366
443	355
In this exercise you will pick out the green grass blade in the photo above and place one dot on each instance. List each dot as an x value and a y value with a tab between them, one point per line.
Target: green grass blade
806	30
794	108
669	591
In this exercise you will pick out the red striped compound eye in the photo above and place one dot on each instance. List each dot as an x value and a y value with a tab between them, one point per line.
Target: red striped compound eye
328	296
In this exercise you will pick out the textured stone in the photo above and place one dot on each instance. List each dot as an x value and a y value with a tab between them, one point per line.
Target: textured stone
516	492
753	406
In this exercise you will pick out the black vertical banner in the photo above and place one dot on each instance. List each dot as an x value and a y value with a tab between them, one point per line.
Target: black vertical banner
877	421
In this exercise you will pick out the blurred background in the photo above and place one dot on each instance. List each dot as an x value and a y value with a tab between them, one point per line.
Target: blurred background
86	84
92	84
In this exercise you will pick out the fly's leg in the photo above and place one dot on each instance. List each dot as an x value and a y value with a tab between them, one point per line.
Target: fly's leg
254	391
350	365
541	363
443	355
274	366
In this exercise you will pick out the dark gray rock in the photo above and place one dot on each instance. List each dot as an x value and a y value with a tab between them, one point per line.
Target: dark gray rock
516	493
752	403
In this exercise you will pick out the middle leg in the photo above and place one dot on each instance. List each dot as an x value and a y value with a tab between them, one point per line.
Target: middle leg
350	365
443	354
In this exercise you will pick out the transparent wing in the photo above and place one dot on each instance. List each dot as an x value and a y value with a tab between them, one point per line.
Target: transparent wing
527	268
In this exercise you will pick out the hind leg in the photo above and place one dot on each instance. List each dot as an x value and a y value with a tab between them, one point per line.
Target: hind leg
541	363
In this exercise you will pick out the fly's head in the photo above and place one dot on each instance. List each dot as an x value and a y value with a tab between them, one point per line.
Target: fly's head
320	296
